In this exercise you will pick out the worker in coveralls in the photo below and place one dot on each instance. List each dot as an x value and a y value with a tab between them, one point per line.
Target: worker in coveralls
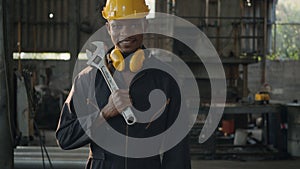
83	125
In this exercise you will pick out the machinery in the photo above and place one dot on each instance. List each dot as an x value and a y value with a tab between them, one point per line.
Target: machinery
263	96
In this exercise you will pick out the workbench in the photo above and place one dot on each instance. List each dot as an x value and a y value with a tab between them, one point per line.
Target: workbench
274	133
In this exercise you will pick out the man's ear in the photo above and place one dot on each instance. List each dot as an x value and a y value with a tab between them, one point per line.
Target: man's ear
108	28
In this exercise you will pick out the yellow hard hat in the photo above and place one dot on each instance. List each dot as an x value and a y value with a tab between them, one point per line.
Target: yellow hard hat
125	9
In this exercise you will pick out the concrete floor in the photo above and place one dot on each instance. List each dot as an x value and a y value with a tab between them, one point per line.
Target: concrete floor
76	159
224	164
292	163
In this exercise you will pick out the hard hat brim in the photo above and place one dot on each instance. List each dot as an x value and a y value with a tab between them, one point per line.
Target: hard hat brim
132	16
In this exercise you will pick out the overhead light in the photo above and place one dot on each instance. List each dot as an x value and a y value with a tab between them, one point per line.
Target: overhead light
248	3
51	15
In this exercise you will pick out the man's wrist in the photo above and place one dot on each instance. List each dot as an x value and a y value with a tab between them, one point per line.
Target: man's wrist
103	115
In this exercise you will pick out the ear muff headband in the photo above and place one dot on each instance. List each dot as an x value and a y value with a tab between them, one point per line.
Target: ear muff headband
135	63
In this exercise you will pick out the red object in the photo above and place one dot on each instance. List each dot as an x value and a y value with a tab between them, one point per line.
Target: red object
228	126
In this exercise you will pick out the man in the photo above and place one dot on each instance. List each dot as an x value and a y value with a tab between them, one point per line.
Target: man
125	23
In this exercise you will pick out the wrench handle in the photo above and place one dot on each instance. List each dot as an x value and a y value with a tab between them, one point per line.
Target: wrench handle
129	116
127	113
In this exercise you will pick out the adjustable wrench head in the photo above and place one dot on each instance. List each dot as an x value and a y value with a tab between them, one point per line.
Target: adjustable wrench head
95	58
100	50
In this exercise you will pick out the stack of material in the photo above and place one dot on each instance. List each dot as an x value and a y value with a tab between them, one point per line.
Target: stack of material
30	157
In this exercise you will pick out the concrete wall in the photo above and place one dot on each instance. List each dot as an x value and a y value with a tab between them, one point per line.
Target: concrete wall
283	76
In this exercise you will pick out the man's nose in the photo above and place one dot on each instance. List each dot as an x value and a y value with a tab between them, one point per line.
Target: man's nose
126	30
133	29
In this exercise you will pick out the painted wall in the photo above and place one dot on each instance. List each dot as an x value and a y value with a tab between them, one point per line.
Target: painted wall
283	76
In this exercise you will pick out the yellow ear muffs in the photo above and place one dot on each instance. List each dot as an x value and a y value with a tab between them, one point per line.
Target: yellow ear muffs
135	63
137	60
117	59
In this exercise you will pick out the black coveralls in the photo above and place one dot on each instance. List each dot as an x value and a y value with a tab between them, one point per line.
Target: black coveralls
70	133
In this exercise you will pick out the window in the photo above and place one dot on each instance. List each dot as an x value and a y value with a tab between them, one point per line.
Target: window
42	56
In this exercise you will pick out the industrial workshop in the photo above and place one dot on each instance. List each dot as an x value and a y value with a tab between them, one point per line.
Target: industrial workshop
152	84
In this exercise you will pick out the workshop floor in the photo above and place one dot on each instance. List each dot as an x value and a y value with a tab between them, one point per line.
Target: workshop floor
224	164
67	157
292	163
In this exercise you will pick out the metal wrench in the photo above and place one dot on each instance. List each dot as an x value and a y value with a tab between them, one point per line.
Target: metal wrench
96	59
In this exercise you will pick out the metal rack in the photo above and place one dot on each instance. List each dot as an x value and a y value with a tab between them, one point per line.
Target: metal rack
240	40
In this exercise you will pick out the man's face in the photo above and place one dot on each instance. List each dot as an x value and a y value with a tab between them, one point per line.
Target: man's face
127	35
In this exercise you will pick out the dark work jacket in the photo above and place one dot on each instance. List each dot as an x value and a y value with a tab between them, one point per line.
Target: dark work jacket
75	128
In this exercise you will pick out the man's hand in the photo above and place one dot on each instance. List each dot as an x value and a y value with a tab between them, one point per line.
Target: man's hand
117	102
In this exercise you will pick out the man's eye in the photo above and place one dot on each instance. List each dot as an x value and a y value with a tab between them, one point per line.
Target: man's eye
116	26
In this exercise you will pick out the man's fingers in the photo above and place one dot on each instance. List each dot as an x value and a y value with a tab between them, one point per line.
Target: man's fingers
121	99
